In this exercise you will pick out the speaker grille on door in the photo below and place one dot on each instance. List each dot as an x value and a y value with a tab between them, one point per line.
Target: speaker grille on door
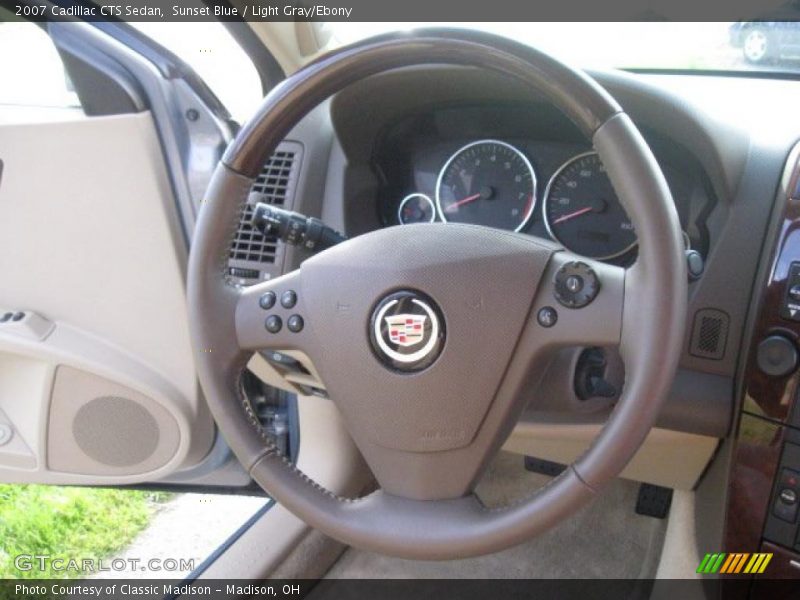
100	427
115	431
251	253
709	334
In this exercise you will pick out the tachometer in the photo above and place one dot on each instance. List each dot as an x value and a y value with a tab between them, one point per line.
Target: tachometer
582	211
487	183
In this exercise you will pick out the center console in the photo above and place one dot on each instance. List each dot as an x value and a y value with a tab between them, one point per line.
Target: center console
764	495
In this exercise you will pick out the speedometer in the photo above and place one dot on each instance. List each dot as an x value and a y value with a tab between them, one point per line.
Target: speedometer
487	183
582	211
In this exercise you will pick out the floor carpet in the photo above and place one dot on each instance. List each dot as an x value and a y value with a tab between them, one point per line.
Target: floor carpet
606	539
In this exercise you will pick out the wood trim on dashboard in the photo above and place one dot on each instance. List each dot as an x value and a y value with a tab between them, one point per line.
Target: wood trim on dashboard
766	395
755	462
768	399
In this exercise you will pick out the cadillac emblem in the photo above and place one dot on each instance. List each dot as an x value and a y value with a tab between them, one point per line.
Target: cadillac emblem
407	331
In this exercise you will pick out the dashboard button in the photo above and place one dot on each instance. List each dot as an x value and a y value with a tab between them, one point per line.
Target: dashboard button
790	309
776	356
785	505
694	264
787	500
288	299
790	479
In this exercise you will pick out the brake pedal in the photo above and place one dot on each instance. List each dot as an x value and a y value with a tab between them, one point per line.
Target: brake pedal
653	501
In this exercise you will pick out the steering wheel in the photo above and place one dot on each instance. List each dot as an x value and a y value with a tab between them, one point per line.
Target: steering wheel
431	338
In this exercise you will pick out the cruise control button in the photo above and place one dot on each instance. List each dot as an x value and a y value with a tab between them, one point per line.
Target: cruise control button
295	323
273	324
288	299
267	300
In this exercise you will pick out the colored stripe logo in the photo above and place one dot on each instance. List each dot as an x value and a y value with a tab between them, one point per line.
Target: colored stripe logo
734	563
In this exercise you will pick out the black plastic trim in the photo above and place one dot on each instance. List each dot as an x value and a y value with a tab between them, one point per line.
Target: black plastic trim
753	74
293	418
269	71
104	87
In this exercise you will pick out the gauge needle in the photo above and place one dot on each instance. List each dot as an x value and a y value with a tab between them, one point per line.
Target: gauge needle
572	215
467	200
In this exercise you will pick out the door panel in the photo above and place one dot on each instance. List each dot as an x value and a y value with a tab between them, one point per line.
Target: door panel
91	253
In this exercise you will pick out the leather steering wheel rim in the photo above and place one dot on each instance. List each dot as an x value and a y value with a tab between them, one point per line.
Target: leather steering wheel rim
641	308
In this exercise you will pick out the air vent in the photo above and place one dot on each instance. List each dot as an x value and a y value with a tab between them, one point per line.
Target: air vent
253	255
249	245
274	179
709	334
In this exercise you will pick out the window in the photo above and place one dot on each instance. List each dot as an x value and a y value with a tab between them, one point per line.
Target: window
39	80
216	57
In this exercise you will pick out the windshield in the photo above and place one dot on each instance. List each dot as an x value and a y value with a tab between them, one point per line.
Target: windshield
737	46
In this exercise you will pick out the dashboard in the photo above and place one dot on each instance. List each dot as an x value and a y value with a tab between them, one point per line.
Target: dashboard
508	167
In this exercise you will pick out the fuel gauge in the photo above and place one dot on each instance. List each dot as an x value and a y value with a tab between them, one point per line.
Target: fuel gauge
416	208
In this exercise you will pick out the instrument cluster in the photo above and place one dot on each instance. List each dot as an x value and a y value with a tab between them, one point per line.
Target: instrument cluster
494	183
526	170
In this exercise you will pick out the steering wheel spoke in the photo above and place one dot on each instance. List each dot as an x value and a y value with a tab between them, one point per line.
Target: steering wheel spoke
580	302
273	315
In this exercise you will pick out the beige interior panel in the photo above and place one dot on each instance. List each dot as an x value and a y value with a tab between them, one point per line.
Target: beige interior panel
21	377
90	244
24	389
667	458
14	452
679	556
